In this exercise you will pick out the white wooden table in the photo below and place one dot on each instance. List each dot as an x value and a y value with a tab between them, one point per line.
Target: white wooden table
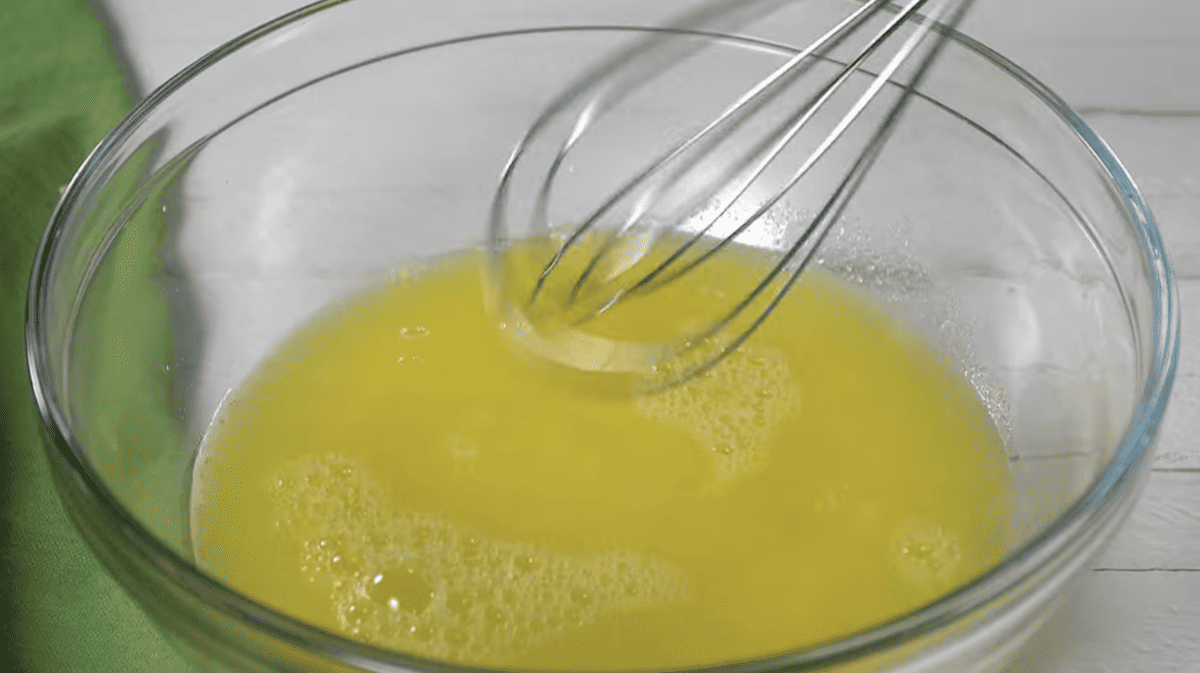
1132	69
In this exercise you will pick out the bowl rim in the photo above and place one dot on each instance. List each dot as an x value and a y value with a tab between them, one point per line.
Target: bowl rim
1085	517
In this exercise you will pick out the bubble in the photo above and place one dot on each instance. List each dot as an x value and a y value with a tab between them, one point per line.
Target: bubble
994	398
416	582
341	471
526	563
401	588
458	601
421	535
456	637
927	554
735	410
493	616
360	611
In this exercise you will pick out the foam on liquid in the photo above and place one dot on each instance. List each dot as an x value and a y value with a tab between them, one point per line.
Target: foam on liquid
396	474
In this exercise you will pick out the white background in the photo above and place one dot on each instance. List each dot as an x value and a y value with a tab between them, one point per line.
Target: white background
1132	69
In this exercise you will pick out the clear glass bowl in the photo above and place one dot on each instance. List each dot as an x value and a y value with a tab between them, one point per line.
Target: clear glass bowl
323	151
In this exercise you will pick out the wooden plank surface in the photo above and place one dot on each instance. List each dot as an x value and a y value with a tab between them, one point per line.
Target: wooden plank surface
1132	67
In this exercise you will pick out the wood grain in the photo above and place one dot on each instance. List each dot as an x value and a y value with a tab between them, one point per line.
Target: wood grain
1122	622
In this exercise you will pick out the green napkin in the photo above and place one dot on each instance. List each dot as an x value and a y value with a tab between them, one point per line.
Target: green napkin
61	90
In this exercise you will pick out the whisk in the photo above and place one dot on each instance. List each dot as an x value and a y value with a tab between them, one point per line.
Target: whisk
695	194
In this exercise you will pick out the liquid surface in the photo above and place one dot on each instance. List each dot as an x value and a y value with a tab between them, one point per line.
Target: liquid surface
395	472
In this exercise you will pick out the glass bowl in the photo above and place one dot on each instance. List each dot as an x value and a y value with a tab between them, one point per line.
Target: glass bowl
322	152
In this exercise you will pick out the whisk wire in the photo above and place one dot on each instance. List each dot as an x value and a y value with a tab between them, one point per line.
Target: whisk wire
813	235
792	127
676	174
747	103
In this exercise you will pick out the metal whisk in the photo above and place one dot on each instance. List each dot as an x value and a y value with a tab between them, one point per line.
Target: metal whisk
699	195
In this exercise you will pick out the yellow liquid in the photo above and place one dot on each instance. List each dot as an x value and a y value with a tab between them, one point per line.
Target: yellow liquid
395	473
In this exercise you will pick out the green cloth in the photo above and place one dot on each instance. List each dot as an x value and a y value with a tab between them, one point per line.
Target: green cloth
61	90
